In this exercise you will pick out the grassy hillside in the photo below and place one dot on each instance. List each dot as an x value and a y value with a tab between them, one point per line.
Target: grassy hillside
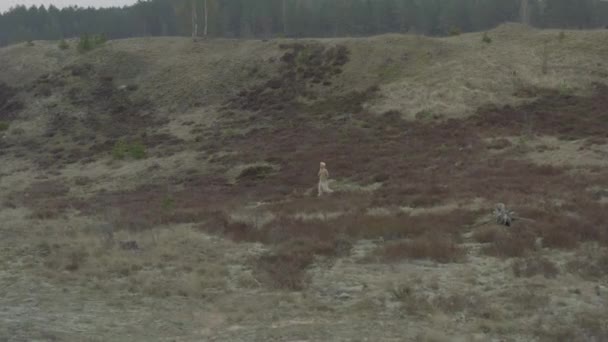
204	155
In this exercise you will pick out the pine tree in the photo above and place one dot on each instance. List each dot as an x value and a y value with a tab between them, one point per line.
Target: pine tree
312	18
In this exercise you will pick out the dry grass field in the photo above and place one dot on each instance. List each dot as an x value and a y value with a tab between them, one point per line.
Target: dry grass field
160	189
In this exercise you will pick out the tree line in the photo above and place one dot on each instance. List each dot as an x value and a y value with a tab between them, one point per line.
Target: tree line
294	18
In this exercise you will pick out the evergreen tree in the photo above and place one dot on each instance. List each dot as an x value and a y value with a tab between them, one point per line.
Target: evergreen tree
300	18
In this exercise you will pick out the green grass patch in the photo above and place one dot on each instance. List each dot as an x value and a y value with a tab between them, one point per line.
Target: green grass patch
88	43
123	150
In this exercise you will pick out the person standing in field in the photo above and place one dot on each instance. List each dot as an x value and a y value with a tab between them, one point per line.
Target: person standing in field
323	180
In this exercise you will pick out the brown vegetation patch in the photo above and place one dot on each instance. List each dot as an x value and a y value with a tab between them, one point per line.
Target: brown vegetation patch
149	206
511	243
350	225
303	66
589	263
285	266
534	265
125	115
440	248
8	105
552	227
297	241
416	300
487	234
46	199
340	202
333	236
584	326
70	255
420	164
46	84
285	269
404	226
110	111
499	144
255	172
564	116
42	190
581	220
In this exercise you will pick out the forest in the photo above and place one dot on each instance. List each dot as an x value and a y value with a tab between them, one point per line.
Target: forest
295	18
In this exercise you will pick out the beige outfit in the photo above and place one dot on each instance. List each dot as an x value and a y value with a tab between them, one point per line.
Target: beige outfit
324	181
